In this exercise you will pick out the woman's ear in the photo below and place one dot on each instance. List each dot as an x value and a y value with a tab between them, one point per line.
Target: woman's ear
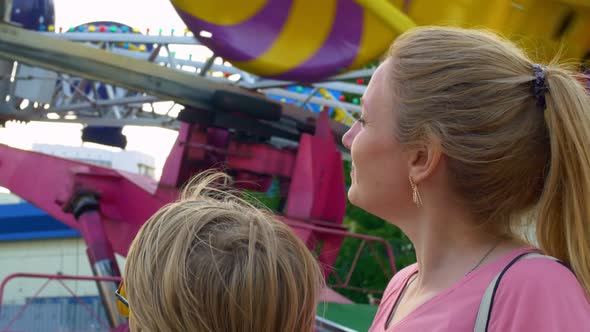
423	160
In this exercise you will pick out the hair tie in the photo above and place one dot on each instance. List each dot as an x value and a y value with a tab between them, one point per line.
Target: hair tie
539	86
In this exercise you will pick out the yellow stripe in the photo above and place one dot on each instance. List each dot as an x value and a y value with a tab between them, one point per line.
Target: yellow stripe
221	12
388	14
306	29
375	40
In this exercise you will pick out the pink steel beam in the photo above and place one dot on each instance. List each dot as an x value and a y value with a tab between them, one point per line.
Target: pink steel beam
50	182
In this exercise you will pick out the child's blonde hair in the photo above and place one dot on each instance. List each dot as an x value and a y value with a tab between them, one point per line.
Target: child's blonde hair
213	262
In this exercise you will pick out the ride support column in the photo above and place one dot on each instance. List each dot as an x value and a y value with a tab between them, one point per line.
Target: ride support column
86	210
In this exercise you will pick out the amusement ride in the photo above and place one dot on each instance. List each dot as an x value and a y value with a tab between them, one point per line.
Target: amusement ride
270	104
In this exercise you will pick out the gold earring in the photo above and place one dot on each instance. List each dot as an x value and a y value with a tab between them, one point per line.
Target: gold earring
415	193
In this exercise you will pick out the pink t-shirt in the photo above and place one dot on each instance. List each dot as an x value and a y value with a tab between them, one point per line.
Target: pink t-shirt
535	294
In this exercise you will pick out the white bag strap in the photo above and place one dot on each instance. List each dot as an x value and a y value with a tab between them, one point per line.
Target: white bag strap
485	307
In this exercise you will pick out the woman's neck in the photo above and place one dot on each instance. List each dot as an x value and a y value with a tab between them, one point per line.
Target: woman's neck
449	244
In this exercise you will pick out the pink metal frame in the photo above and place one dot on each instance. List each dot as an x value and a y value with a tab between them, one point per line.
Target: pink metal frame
313	175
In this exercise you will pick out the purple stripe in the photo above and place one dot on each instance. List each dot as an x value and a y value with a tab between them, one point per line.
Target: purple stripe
339	50
247	40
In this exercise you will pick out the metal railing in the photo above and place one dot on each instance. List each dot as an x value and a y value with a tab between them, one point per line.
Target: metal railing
325	325
17	313
366	241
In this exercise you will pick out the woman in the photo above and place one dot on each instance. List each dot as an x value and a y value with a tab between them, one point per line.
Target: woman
212	262
469	147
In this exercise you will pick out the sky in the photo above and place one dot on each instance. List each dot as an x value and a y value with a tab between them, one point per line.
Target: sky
142	14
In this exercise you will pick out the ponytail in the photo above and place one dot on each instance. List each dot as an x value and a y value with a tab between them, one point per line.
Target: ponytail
563	223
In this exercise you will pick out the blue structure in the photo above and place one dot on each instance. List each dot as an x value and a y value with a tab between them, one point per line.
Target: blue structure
24	221
33	14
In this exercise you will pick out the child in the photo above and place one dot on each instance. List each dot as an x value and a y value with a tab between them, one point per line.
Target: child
213	262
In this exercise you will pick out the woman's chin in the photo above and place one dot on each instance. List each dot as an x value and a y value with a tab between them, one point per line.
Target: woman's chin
356	198
352	195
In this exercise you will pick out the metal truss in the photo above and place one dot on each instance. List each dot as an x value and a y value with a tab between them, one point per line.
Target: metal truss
90	78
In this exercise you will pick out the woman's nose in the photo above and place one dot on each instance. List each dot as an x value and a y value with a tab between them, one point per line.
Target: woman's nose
348	137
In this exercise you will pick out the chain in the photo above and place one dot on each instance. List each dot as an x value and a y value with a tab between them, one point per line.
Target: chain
484	257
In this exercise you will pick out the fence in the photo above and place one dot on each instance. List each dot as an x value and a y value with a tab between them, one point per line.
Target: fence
71	313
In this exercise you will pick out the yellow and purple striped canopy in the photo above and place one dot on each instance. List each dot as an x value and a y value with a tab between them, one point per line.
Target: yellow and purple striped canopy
307	40
303	40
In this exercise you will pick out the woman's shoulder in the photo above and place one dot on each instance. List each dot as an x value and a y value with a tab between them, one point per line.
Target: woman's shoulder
539	293
539	273
404	273
399	280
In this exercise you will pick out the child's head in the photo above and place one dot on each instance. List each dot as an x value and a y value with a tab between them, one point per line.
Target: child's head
212	262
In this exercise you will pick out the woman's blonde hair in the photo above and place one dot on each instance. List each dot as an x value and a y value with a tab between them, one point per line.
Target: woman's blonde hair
508	156
213	262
